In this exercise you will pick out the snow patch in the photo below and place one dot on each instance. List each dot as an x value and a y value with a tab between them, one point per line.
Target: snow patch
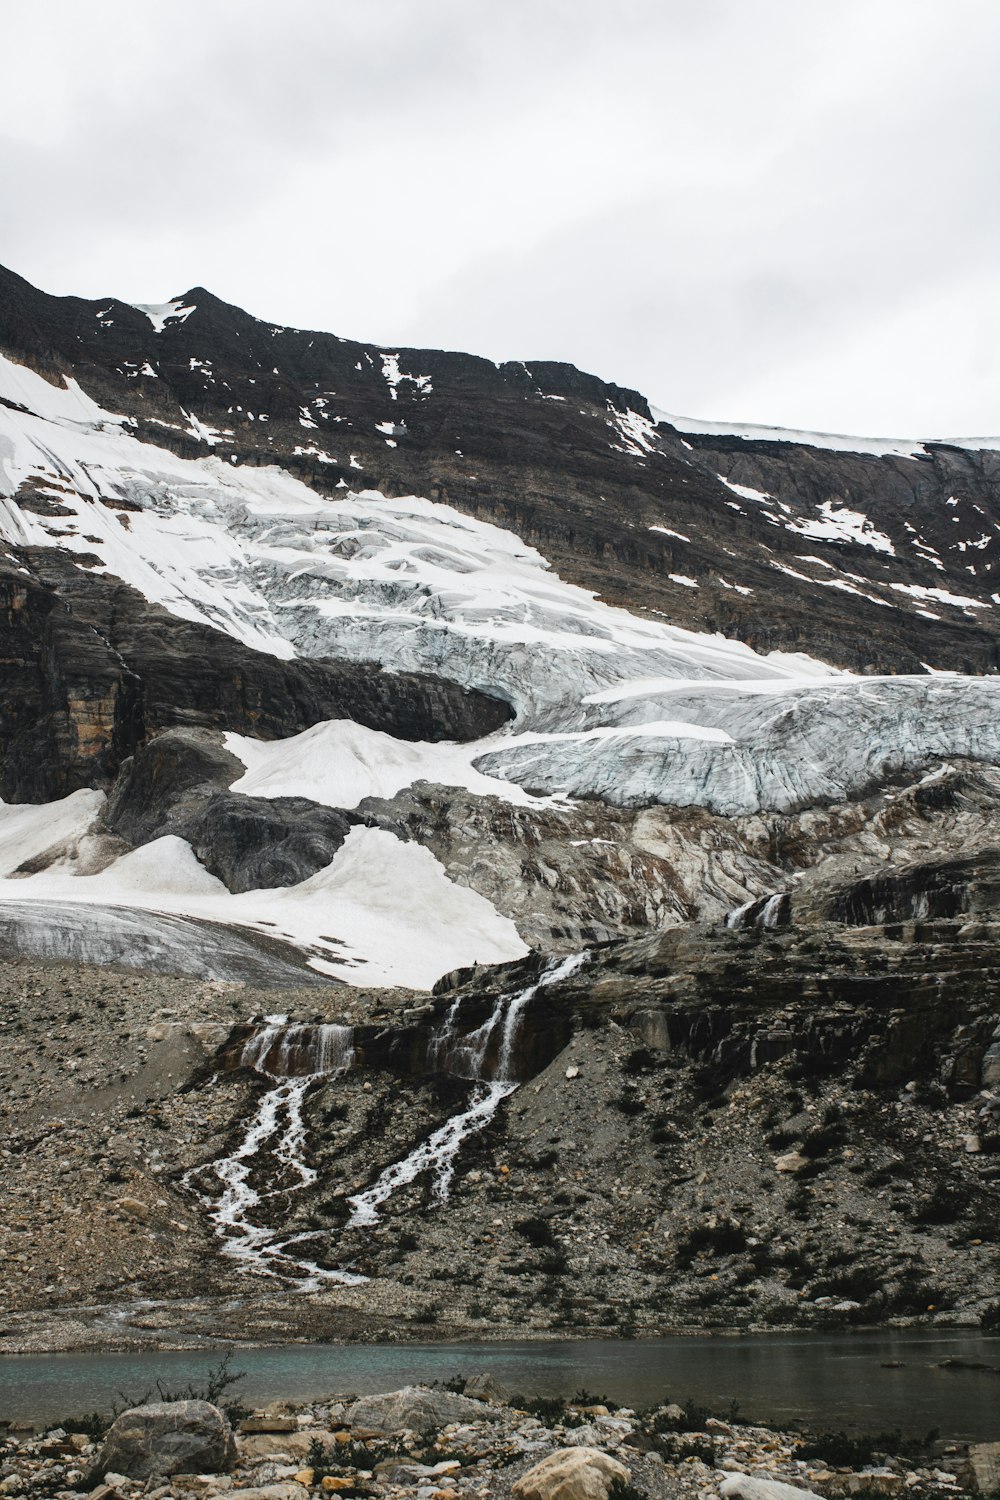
339	763
388	912
838	524
162	313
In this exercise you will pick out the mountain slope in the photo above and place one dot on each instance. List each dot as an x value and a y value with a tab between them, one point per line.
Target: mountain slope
575	467
336	679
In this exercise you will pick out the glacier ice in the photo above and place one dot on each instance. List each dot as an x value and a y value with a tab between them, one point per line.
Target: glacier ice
608	704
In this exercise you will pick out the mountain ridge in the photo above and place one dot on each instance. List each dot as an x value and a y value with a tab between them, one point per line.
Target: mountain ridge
617	505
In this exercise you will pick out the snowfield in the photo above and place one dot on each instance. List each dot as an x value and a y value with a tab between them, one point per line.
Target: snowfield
383	912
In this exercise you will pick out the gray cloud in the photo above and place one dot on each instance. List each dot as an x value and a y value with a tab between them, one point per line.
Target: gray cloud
769	212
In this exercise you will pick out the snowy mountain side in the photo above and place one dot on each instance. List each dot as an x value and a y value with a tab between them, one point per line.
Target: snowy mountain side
425	781
867	555
344	642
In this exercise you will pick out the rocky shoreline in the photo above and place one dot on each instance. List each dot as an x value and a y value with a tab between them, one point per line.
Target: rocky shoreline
471	1439
198	1325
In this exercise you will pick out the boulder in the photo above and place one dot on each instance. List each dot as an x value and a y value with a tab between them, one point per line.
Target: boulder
485	1388
287	1491
753	1487
416	1409
279	1444
984	1467
166	1437
571	1474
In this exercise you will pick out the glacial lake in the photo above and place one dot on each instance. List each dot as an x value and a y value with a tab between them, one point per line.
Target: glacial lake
861	1381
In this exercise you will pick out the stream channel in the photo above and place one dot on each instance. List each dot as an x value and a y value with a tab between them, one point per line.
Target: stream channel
872	1382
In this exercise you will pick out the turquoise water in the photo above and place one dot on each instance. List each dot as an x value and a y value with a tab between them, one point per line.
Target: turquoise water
829	1381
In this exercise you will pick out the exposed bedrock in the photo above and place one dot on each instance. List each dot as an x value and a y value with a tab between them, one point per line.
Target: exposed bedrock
92	670
888	1003
177	784
968	887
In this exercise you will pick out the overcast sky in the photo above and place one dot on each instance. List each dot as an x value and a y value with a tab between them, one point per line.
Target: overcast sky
779	211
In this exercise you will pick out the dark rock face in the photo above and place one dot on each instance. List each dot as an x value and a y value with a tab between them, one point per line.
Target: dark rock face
167	1437
251	843
178	784
883	1003
552	453
949	888
93	670
166	780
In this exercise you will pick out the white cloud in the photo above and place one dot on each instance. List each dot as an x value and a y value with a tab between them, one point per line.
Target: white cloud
773	212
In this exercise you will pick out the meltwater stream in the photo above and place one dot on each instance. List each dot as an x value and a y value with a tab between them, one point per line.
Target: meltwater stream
465	1057
294	1057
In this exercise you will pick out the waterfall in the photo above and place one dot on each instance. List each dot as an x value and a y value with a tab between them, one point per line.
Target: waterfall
776	909
468	1056
767	912
437	1154
293	1057
299	1051
737	919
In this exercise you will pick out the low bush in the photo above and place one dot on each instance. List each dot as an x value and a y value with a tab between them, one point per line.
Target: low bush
537	1231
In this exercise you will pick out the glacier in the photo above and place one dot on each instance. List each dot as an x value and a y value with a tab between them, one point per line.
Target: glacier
608	704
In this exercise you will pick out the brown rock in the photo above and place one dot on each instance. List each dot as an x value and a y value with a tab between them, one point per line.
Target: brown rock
984	1467
571	1474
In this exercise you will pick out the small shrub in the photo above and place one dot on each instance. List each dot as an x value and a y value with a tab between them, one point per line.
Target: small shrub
218	1380
548	1409
675	1448
545	1160
824	1139
843	1451
536	1231
942	1205
621	1489
692	1418
722	1238
91	1424
583	1397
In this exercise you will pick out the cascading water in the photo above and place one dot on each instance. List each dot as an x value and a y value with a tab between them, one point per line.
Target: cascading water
767	912
466	1058
775	911
293	1057
738	918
